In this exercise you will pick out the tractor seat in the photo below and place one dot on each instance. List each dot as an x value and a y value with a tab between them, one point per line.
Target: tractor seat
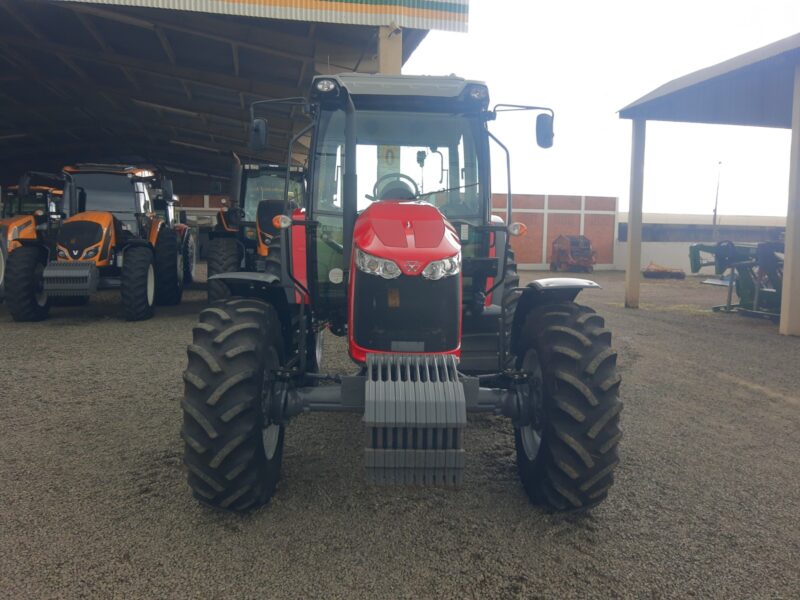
267	210
397	190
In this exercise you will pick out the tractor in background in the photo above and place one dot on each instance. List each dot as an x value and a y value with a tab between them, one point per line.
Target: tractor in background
244	238
572	253
395	249
33	215
113	238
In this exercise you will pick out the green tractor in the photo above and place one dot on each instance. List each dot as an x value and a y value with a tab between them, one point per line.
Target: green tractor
395	249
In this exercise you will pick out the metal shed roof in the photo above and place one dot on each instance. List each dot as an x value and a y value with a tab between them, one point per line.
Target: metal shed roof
85	82
449	15
751	89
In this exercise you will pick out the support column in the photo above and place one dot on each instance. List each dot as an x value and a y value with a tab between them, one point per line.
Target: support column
633	270
390	50
790	299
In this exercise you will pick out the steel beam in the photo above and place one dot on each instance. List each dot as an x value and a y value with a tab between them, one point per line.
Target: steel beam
633	271
790	298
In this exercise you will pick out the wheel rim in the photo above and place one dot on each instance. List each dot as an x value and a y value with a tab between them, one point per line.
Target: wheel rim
270	433
40	294
270	436
2	265
180	268
530	436
151	285
192	259
318	348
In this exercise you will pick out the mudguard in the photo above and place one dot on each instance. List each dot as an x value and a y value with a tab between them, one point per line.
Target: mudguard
545	291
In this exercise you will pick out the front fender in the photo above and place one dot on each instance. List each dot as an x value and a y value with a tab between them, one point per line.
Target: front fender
545	291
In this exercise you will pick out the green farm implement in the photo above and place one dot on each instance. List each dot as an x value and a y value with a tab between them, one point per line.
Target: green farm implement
755	273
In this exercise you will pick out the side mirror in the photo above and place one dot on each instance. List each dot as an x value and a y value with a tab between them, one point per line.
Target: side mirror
258	134
166	190
544	130
182	218
24	186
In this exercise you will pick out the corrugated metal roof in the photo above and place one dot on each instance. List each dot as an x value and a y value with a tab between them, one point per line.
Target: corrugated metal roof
448	15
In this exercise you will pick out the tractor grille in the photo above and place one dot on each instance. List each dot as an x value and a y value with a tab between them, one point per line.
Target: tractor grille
415	414
407	314
76	236
71	278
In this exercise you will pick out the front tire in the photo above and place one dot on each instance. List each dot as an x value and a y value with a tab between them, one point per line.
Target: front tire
223	257
138	283
232	454
24	285
568	462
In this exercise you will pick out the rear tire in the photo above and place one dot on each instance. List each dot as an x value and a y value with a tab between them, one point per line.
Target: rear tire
138	283
24	285
223	257
569	463
169	268
232	455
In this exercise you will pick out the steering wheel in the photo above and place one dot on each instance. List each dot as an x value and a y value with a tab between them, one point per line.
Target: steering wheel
398	177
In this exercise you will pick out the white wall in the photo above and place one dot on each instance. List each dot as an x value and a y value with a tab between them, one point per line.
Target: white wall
674	255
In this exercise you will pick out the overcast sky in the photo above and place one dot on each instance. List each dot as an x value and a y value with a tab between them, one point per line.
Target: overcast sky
587	59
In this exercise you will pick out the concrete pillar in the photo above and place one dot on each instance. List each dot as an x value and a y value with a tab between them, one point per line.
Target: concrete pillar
790	300
633	270
390	50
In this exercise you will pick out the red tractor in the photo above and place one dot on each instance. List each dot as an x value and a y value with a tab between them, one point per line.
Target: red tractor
573	253
395	248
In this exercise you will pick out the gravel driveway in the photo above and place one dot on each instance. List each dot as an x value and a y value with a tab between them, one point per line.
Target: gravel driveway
93	499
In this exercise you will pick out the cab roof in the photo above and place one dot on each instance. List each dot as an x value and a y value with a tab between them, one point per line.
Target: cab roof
110	169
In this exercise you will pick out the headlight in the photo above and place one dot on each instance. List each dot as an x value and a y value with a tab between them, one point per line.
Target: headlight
443	268
92	252
62	254
376	266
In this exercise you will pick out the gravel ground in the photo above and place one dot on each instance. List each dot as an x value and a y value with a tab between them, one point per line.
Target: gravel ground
93	500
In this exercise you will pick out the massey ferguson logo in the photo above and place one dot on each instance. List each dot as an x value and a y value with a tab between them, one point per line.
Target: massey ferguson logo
412	266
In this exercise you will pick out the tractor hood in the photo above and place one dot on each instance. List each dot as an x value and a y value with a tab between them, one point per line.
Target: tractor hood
410	233
84	231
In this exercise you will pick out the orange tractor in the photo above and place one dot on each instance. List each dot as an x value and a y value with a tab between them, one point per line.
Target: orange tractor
32	215
121	234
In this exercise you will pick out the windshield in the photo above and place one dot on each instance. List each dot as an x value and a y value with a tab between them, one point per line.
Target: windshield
105	192
267	185
14	206
403	155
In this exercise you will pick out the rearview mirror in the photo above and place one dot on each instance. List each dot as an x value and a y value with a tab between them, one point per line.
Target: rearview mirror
258	134
544	130
167	190
24	186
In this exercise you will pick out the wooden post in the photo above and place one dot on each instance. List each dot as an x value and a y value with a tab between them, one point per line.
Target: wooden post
790	299
390	50
633	271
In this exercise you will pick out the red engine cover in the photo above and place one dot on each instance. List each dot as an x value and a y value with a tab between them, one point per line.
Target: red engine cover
410	233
